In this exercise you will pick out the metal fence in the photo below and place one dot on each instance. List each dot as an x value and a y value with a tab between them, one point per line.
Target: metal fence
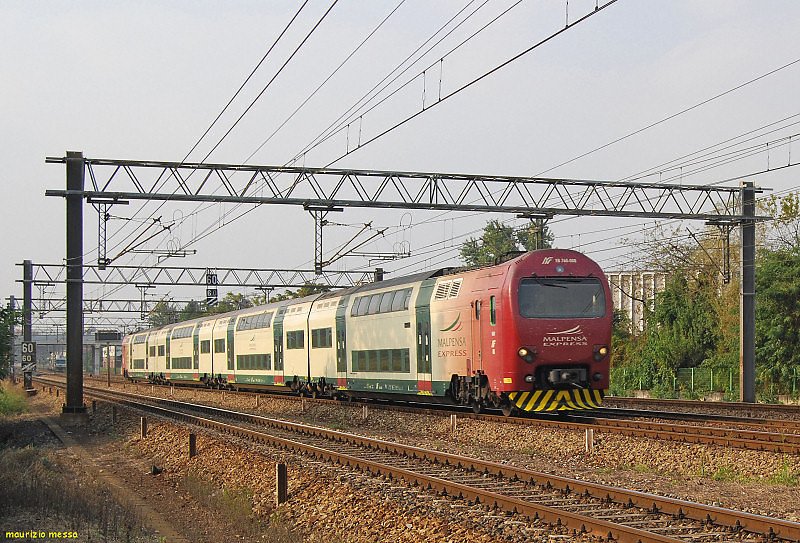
700	382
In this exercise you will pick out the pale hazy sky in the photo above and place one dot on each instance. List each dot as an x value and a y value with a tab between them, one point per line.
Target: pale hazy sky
142	80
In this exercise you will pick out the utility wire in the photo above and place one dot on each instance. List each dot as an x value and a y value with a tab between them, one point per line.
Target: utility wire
219	115
477	79
344	121
253	102
212	228
315	91
451	94
670	117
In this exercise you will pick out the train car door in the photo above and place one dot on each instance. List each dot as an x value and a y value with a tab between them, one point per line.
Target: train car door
231	350
477	338
196	351
341	343
423	313
214	338
277	340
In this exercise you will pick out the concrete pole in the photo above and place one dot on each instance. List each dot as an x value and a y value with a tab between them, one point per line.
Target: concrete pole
75	181
747	311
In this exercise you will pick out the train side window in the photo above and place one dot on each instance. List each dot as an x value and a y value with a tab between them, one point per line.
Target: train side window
160	350
219	345
354	309
364	306
205	346
492	311
386	302
398	300
374	303
407	298
477	310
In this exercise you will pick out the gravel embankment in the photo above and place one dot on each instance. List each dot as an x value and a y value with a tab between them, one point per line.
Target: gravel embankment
756	481
326	503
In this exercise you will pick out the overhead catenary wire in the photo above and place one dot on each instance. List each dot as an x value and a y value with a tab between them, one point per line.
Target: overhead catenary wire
212	228
477	80
264	89
451	94
356	111
225	107
665	119
670	117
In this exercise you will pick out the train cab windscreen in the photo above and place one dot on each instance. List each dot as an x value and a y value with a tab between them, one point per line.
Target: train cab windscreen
561	298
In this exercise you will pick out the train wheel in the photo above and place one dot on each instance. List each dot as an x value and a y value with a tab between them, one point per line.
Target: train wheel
477	407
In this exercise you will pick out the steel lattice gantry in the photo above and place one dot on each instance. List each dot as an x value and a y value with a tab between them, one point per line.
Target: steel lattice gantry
187	276
321	188
100	305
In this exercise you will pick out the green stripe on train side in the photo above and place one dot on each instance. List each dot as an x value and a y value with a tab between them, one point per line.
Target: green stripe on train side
254	379
399	386
175	376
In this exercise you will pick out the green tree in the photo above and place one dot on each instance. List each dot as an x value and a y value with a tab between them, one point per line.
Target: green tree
498	240
778	317
231	302
537	235
162	314
192	310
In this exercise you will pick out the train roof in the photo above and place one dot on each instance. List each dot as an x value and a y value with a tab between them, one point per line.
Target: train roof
386	283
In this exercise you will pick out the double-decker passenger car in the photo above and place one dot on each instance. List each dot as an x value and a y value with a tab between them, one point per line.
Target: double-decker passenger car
531	333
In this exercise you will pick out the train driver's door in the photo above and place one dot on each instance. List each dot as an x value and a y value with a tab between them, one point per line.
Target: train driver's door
477	341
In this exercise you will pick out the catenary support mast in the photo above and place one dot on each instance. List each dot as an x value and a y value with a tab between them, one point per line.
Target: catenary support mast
75	182
747	311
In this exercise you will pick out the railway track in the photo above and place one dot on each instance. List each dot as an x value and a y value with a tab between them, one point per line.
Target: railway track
764	410
763	439
615	513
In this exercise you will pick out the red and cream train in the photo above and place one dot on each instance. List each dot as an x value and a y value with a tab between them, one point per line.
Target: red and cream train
532	333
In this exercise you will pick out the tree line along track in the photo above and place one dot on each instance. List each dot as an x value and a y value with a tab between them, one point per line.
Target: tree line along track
623	515
763	439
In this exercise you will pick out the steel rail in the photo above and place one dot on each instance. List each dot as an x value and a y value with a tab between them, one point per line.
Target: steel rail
722	406
655	504
758	440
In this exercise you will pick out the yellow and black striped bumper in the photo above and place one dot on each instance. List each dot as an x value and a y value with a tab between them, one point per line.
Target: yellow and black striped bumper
557	400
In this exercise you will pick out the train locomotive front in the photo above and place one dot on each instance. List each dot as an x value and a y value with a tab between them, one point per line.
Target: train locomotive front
537	336
557	333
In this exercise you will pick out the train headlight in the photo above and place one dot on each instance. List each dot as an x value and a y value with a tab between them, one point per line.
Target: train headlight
529	378
526	354
600	352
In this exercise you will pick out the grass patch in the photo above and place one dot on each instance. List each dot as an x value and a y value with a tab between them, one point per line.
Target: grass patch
785	475
236	506
31	480
12	400
727	474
